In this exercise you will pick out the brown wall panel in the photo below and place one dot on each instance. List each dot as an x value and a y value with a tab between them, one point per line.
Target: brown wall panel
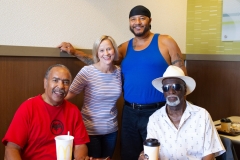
217	89
22	78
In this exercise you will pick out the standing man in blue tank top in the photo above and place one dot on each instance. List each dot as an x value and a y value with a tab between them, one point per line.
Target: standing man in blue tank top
143	58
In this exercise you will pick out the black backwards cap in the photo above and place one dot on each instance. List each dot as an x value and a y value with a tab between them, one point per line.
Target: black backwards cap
140	10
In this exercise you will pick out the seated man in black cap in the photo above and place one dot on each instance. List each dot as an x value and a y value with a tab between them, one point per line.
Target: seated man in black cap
185	131
144	57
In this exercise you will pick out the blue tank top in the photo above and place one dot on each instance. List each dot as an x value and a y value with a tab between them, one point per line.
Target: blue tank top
139	68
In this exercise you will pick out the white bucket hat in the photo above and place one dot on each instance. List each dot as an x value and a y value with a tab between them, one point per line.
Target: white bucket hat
175	72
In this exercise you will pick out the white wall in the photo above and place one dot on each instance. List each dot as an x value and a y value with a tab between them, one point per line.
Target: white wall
46	23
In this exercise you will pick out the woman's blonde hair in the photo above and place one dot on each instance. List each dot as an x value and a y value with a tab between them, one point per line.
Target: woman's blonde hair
97	43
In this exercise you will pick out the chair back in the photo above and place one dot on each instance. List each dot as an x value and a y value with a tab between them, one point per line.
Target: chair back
230	153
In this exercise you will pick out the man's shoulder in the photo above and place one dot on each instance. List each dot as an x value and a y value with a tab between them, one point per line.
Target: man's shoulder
30	105
122	49
164	38
123	45
194	106
31	100
196	109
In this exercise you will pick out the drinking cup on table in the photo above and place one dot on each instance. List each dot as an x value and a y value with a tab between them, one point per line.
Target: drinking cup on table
151	149
64	145
225	124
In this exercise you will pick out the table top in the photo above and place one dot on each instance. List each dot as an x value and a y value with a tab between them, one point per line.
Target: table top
233	119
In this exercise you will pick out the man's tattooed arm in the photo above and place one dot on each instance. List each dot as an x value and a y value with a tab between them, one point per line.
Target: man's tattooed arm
179	61
85	58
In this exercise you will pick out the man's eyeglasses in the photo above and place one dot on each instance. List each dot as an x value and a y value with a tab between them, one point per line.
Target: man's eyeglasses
176	87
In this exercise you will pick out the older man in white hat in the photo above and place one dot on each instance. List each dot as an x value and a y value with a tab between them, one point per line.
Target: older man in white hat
185	131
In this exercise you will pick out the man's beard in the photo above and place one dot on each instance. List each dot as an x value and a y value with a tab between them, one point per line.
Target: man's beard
173	104
146	29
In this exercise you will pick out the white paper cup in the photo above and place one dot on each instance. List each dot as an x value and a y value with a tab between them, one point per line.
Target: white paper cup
151	149
64	145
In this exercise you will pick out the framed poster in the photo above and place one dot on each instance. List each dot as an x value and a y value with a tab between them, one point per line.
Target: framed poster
231	20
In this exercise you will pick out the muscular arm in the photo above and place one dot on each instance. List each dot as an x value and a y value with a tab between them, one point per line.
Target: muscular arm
12	151
84	57
209	157
122	49
171	52
80	152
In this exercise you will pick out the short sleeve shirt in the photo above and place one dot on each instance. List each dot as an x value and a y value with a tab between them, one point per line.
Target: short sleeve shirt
101	92
36	123
195	138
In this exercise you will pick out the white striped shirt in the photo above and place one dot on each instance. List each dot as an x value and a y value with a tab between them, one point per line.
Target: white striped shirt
102	90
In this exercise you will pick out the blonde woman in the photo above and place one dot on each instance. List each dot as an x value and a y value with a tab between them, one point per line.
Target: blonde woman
102	84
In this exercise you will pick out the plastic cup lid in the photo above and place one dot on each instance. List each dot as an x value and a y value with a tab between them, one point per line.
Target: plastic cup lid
151	142
225	120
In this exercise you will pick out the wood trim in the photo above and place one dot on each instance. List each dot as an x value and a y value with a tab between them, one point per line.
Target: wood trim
213	57
35	51
7	50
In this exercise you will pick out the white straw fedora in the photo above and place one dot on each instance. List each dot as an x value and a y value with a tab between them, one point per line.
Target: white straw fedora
175	72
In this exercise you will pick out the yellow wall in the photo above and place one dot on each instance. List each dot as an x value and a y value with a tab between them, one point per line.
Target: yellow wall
204	22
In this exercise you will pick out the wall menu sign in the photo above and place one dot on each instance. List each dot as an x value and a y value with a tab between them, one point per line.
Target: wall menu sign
231	20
